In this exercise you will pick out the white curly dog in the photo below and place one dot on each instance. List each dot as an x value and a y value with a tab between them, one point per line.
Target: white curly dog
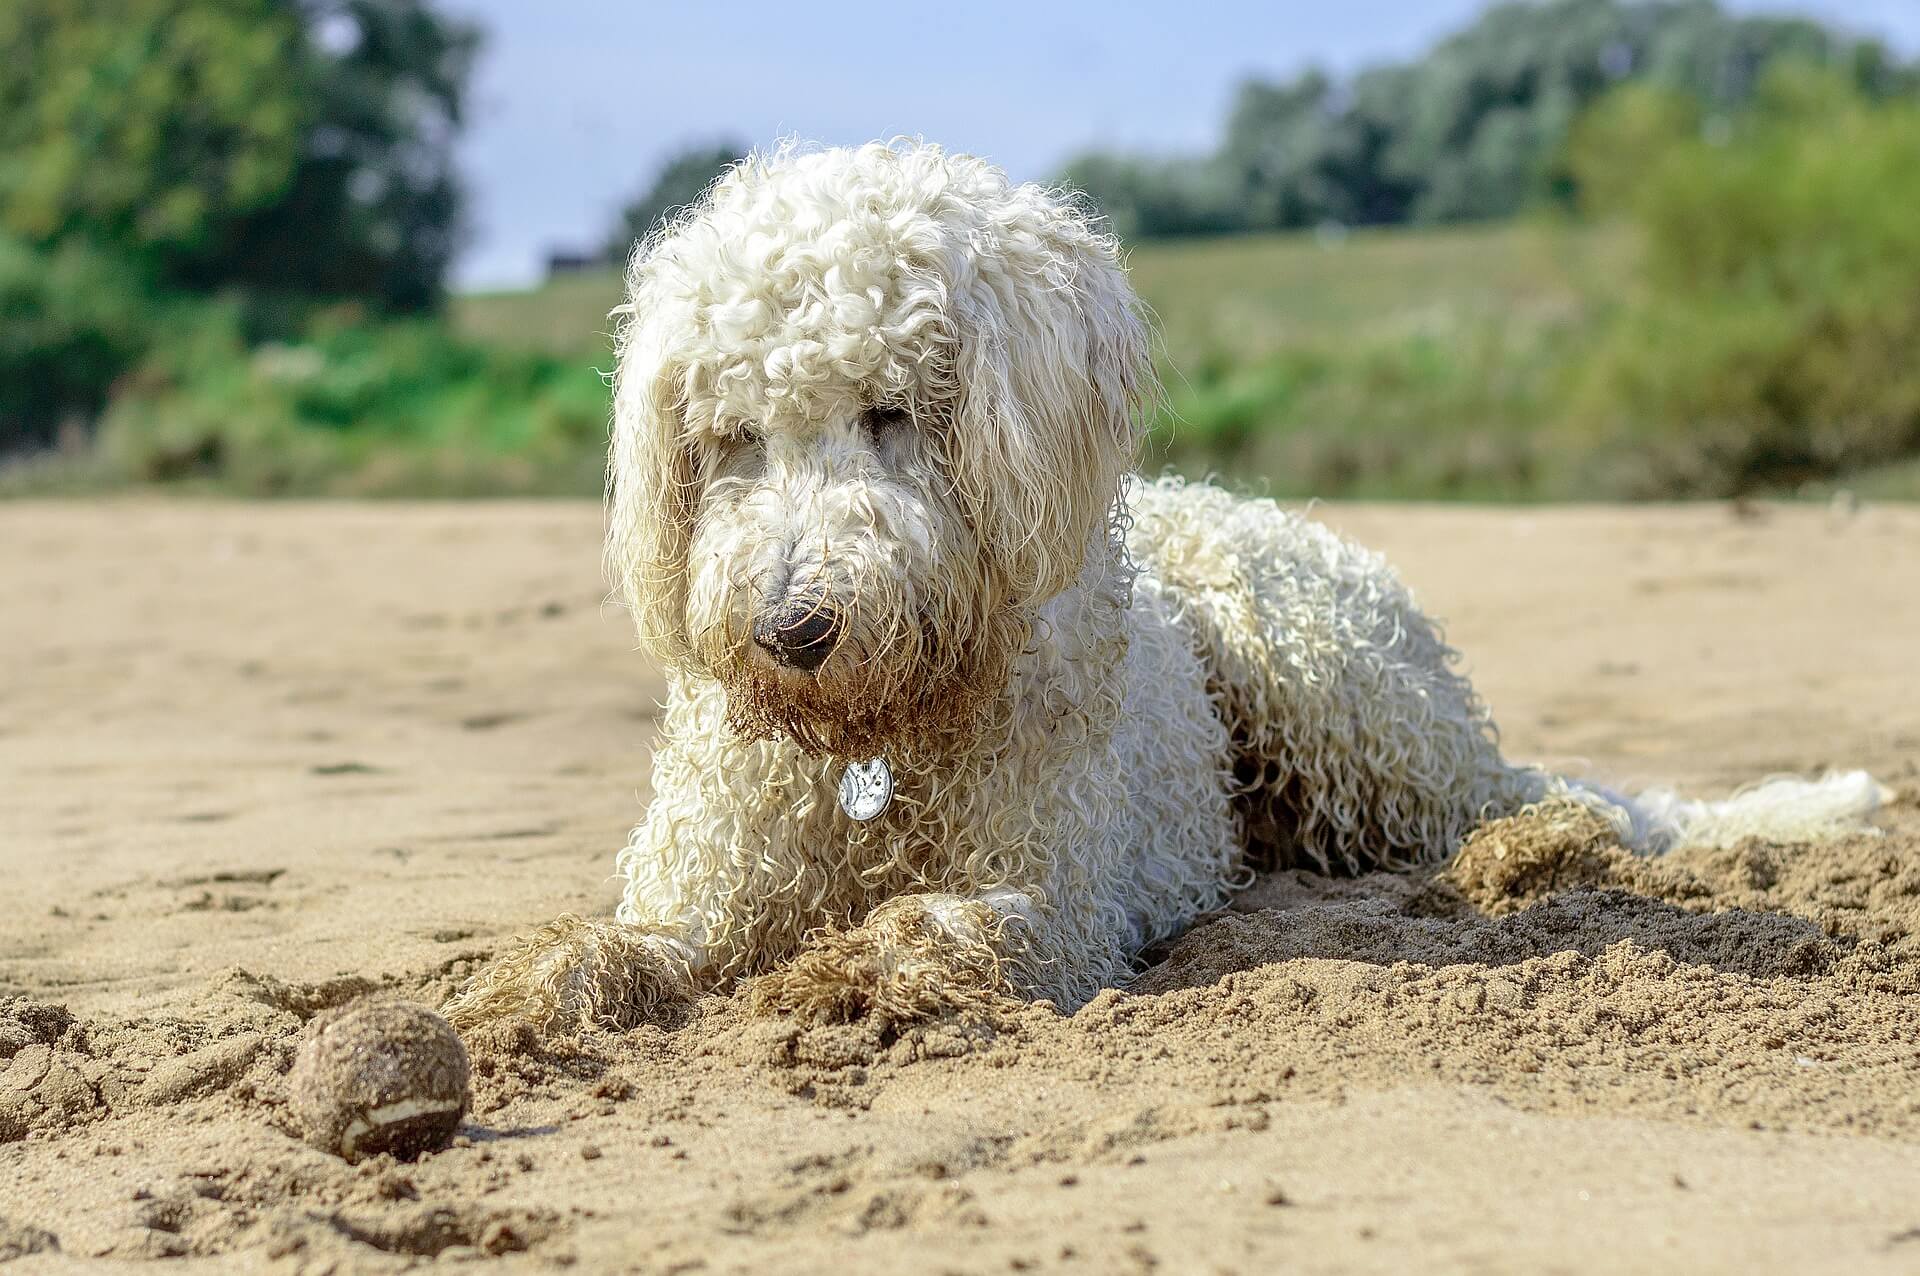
959	707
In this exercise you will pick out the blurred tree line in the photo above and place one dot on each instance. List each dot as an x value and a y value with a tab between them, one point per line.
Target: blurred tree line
278	153
225	224
1475	129
1737	310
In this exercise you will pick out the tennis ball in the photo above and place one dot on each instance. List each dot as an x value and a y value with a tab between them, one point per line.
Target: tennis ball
379	1076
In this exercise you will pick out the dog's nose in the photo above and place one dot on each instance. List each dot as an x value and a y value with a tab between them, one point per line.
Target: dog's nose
799	633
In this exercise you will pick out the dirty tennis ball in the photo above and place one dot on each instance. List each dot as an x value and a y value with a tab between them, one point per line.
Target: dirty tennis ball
379	1076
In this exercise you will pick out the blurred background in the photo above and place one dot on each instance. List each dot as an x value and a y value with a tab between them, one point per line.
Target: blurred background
1432	249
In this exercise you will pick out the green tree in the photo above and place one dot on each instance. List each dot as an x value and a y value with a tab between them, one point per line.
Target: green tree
1311	150
1146	198
373	208
146	126
1485	115
156	151
681	180
1476	128
280	146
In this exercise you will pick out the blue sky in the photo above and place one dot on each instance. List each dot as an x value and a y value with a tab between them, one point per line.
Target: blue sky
576	102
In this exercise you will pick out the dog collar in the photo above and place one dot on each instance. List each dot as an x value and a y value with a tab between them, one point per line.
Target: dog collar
866	789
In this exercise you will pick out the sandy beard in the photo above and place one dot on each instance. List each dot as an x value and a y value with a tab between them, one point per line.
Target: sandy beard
932	707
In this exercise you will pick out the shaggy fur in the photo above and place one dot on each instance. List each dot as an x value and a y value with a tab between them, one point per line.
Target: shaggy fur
887	386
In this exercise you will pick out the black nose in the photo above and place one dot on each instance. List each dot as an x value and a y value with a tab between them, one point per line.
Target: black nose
800	633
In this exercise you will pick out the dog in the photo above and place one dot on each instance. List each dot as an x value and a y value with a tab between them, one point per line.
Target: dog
958	705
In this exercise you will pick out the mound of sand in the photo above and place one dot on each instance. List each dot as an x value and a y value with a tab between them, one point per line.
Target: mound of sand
234	805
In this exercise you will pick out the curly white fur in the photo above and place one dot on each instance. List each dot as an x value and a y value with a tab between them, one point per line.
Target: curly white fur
889	383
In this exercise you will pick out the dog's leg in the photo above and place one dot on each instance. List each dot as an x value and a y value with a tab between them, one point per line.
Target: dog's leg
916	957
574	973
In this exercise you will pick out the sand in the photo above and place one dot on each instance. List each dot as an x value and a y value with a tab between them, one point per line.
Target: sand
258	760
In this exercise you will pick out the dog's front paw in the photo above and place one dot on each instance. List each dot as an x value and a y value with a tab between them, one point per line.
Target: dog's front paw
571	974
916	958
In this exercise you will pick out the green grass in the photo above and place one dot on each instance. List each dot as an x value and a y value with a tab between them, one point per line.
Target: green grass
568	316
1246	299
354	407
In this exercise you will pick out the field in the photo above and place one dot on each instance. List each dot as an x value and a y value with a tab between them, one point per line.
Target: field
258	758
1238	298
1494	363
1450	364
1376	363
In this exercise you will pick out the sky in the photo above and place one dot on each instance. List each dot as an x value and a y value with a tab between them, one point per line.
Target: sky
576	103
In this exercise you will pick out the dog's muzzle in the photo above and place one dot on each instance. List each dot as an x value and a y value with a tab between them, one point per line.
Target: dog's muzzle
799	633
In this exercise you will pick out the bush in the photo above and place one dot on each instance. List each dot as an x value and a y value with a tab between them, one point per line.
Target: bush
353	407
71	321
1443	408
1772	338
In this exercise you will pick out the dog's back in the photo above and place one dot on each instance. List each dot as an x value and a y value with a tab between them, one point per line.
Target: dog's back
1356	743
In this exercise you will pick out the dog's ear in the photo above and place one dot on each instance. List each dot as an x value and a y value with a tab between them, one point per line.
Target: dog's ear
653	483
1053	370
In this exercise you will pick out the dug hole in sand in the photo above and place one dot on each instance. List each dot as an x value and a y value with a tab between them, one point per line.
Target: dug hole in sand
258	761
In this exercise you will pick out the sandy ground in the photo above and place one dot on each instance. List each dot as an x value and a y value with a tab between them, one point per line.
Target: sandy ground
256	760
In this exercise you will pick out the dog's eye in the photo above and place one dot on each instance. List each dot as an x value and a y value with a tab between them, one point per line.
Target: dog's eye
878	421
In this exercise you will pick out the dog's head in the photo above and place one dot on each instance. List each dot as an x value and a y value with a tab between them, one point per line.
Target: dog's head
872	408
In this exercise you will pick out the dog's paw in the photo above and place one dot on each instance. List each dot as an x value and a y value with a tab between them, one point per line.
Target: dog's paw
572	974
916	958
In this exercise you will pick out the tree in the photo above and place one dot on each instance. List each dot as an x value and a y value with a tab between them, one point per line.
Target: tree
1279	139
1152	199
279	146
146	127
373	207
1476	128
154	151
1311	151
681	180
71	320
